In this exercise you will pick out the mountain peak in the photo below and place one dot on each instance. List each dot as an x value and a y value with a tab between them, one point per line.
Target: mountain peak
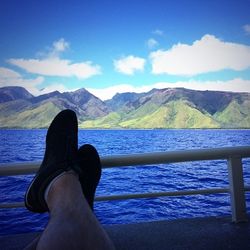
13	93
80	95
80	91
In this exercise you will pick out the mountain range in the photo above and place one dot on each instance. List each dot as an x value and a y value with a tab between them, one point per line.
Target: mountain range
158	108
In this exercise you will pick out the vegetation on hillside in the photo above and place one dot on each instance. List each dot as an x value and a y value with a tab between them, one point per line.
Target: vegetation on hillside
158	108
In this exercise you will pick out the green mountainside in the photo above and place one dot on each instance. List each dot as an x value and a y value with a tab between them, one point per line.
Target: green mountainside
37	117
175	114
158	108
234	115
38	112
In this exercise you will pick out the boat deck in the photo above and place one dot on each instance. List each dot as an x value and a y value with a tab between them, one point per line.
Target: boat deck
191	233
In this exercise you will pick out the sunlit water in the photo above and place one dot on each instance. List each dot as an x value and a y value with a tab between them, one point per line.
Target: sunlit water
28	145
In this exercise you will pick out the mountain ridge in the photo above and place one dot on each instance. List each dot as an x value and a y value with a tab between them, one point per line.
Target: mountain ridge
13	93
158	108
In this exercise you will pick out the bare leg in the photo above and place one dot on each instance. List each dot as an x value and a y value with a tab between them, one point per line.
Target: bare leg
33	244
72	224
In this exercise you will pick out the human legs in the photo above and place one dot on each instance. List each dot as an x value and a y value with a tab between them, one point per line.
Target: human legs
72	224
57	189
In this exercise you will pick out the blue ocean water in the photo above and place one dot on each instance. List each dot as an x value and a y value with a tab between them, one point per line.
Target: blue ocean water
28	145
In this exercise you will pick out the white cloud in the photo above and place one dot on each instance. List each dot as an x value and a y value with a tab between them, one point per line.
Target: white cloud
57	67
206	55
52	65
158	32
60	45
128	65
10	77
57	48
8	74
109	92
152	43
247	29
51	88
235	85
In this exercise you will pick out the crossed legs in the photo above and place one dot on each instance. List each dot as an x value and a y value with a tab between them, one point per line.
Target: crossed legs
65	187
72	224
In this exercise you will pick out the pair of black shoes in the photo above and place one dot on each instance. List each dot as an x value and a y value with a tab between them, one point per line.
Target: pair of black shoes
62	155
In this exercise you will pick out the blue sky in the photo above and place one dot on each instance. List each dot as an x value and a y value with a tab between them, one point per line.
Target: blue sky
121	46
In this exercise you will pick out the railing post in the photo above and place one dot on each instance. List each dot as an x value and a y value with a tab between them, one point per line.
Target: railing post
236	186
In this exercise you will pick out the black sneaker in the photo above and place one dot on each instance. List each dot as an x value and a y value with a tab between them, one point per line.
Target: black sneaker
60	156
89	170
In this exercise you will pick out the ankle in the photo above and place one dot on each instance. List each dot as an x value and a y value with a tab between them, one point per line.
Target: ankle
63	190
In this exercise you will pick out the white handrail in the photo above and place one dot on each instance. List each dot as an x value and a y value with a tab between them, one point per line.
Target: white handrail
232	154
141	159
139	195
143	195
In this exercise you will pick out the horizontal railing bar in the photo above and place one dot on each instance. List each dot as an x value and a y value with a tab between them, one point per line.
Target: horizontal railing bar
141	159
176	156
12	205
20	168
161	194
142	195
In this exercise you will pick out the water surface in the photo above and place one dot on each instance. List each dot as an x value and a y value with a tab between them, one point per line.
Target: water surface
28	145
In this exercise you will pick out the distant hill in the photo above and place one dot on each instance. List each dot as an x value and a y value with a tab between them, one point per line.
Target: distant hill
13	93
176	108
158	108
38	112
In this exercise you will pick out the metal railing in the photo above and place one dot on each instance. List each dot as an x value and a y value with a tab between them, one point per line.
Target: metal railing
233	155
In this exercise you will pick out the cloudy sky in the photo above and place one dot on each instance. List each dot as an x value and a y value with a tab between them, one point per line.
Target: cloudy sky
123	46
